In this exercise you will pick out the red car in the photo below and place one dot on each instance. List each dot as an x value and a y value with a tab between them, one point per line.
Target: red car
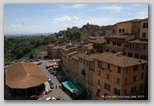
33	97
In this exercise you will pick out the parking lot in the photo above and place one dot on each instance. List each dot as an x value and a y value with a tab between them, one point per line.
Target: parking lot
56	92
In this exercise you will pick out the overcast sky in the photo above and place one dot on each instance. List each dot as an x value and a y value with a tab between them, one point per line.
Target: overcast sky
49	18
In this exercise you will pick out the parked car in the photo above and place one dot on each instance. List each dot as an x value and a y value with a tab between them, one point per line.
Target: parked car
60	78
59	98
51	72
39	63
50	68
53	98
55	73
48	91
49	98
51	87
33	97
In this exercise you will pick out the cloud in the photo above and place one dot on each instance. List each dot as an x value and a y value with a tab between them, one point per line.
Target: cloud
62	19
75	17
74	6
15	25
111	8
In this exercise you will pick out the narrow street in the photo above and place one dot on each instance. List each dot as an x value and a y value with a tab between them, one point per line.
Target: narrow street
57	92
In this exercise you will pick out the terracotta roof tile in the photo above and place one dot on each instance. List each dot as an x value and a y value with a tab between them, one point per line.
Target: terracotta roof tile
24	75
119	60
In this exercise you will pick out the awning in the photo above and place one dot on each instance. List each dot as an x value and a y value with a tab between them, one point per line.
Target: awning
73	87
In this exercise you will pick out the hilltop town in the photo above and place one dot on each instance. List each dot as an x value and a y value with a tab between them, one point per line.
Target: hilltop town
109	60
101	62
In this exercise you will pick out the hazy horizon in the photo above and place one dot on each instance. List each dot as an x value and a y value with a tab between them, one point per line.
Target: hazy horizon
46	18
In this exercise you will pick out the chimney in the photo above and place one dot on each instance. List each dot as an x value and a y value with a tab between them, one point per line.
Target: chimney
140	60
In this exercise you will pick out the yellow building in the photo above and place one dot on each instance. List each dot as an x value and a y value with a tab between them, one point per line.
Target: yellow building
85	72
129	27
118	76
144	29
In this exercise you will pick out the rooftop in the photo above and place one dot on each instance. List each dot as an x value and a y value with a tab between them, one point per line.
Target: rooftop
119	60
138	41
76	57
87	57
89	46
133	20
24	75
98	41
118	36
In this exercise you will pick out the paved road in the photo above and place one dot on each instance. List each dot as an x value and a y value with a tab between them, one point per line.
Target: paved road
57	92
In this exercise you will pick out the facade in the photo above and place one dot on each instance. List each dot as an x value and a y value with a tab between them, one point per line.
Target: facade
115	29
137	49
53	51
85	72
65	52
129	27
72	67
99	45
116	43
144	29
117	75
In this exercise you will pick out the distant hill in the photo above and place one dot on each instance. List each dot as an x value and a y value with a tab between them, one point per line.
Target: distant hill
28	34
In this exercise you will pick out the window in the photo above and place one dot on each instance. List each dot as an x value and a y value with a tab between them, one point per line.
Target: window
108	76
119	69
116	91
144	47
142	76
99	64
119	30
133	45
108	41
141	57
98	82
125	91
123	30
109	66
136	45
143	35
107	50
87	63
118	81
141	86
145	25
142	66
83	72
135	68
113	30
118	43
113	51
133	89
136	55
134	79
99	73
126	81
114	43
130	54
106	86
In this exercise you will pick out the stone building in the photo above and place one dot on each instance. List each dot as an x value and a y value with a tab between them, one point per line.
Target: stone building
144	29
117	75
116	43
